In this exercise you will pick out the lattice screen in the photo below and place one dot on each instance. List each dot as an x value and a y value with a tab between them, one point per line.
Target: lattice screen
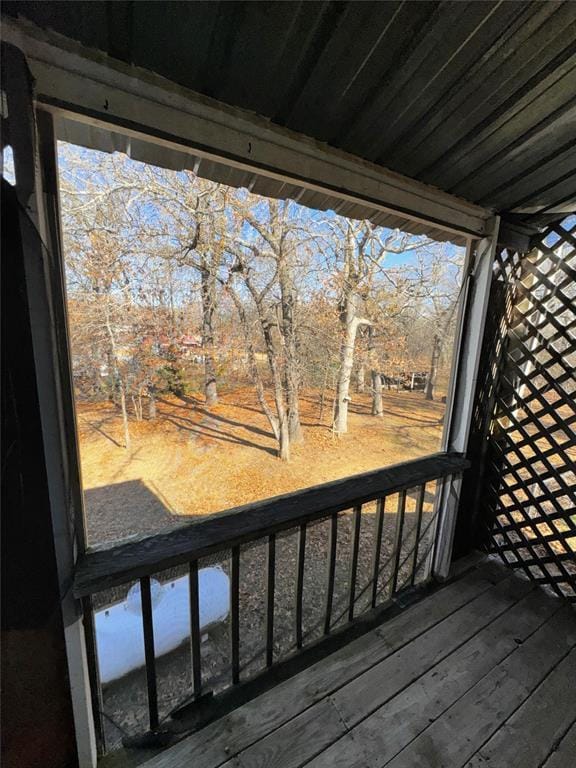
524	496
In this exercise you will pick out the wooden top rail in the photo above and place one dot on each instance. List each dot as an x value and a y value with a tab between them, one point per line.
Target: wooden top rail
103	568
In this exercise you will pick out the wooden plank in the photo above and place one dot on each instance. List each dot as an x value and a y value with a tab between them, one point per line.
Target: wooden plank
388	730
106	567
466	563
456	736
347	752
296	742
525	738
382	680
563	753
376	686
221	740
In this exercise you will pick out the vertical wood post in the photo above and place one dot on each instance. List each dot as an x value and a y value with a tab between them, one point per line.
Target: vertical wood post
33	143
478	275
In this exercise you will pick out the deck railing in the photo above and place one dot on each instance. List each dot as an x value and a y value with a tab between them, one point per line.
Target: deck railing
350	548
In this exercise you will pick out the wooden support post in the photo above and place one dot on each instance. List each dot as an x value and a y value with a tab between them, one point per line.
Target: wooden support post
33	143
478	275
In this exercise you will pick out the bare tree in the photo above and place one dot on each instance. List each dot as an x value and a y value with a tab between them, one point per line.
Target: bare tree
363	248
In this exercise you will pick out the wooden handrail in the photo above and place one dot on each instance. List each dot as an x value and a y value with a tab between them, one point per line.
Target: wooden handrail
102	568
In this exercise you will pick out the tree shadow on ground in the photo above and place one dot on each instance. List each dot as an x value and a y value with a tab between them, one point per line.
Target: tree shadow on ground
204	429
97	427
201	408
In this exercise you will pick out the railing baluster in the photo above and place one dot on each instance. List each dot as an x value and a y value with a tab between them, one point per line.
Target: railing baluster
270	584
377	548
398	538
149	654
419	506
94	672
195	628
356	520
300	583
235	614
331	570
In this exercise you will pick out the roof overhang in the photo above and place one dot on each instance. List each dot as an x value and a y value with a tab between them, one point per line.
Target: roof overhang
105	104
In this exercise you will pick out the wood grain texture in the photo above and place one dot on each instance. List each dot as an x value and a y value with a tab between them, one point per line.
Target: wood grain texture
563	753
479	674
297	741
524	739
382	682
347	752
470	722
391	727
218	742
111	566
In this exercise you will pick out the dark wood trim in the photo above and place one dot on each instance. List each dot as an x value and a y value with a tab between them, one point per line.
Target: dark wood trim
356	522
195	654
270	587
300	584
149	652
235	614
99	569
332	543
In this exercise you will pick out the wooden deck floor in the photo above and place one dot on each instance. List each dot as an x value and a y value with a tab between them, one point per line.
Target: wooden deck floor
481	673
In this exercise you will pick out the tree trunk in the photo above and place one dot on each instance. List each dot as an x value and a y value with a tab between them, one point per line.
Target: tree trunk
431	378
375	375
281	409
118	381
284	440
257	379
151	403
288	329
350	324
323	395
377	402
208	291
127	441
361	378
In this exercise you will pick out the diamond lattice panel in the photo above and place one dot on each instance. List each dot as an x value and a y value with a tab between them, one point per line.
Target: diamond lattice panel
530	395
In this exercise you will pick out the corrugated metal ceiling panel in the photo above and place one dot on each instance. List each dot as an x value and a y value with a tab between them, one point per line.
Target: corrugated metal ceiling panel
86	135
476	98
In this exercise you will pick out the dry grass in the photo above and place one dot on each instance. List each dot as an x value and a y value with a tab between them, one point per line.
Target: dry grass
191	461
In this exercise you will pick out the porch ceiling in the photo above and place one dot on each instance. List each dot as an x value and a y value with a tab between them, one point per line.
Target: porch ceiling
475	98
